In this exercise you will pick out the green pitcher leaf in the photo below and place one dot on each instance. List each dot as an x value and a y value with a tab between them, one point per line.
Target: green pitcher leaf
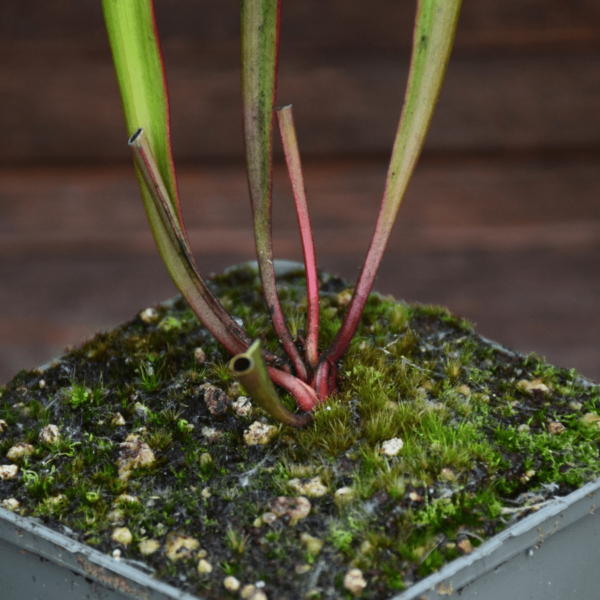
433	37
259	36
253	374
140	72
432	44
260	45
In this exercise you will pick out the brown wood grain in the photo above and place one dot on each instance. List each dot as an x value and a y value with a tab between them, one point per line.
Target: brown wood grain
321	25
453	204
342	107
524	75
512	244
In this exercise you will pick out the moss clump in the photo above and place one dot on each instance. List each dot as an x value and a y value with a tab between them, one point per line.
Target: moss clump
482	435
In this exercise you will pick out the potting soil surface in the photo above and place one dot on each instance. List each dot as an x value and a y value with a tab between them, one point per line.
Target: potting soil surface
141	444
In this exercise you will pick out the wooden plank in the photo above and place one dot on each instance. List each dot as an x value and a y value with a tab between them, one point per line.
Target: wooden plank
513	245
452	205
346	26
343	107
522	75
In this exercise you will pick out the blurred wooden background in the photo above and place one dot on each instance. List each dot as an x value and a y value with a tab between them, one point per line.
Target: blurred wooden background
501	222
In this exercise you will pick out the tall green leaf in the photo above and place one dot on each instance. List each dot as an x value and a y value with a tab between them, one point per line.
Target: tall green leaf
434	34
140	72
259	37
432	43
260	20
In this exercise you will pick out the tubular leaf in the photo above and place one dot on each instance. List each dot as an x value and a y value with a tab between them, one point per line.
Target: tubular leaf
285	119
140	72
260	44
434	33
253	374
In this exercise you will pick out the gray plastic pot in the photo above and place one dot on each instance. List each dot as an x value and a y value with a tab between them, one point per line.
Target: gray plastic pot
551	554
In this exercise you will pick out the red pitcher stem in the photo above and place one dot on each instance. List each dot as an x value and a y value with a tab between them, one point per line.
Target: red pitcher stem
287	130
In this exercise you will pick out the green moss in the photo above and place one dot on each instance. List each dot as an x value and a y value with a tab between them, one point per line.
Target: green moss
333	432
149	372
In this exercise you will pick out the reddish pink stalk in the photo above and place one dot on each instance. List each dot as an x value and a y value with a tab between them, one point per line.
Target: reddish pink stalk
320	381
285	120
267	275
383	229
304	395
325	382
